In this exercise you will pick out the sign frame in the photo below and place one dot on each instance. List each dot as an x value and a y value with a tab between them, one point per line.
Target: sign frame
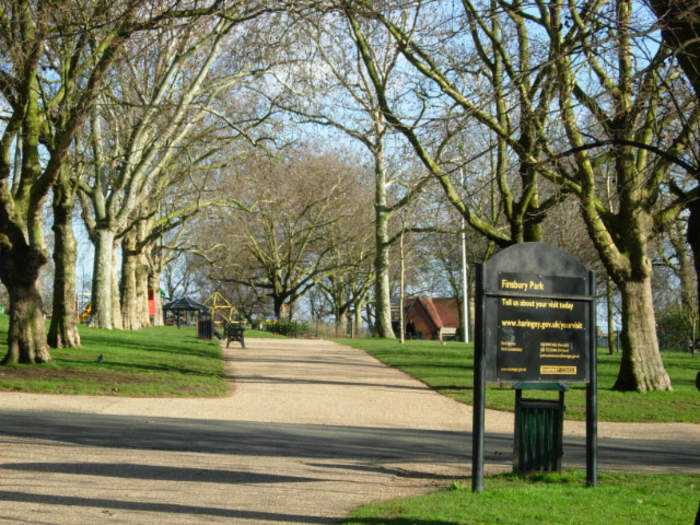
542	261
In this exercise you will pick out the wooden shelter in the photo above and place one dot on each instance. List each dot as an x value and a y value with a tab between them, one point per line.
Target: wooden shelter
183	305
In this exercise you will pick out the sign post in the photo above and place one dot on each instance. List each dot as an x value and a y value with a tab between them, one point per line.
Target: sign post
535	322
479	388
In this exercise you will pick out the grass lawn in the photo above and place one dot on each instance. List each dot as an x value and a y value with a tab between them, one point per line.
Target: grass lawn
449	370
159	361
620	498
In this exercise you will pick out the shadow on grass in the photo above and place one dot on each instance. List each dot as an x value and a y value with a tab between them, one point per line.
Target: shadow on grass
135	341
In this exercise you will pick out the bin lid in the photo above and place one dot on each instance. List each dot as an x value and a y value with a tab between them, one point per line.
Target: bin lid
532	385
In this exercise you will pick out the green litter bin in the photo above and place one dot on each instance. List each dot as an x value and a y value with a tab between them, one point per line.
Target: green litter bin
539	429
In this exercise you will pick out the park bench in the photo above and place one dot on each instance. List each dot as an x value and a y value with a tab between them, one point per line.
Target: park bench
234	332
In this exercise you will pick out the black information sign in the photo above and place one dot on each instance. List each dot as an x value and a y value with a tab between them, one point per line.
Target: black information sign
541	329
535	322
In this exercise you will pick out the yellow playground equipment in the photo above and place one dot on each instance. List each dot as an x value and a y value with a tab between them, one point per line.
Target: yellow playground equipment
85	314
222	311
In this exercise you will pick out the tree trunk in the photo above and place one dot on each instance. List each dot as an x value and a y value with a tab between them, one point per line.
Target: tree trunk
526	222
693	236
142	291
116	309
686	275
611	324
382	295
280	308
369	311
26	337
358	319
142	275
154	285
402	287
641	368
102	280
63	332
128	286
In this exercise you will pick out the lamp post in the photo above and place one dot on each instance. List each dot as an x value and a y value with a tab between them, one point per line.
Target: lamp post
465	285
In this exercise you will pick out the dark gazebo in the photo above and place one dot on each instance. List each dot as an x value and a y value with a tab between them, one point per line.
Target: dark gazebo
183	304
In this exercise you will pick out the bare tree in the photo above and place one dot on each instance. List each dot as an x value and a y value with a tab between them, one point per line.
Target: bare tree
163	95
334	90
276	231
634	121
55	60
621	108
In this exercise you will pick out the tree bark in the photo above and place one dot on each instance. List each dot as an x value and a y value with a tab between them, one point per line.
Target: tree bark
128	285
693	236
680	29
63	332
382	295
358	319
611	324
641	368
117	322
26	338
154	285
142	291
281	310
102	280
402	288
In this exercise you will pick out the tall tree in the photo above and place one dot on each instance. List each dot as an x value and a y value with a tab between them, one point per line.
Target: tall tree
491	104
48	97
164	93
276	231
621	106
633	122
347	86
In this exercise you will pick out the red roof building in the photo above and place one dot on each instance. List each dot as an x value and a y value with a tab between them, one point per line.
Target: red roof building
431	318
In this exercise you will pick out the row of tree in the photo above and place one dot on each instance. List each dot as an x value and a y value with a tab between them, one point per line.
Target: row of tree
574	97
126	107
554	102
506	110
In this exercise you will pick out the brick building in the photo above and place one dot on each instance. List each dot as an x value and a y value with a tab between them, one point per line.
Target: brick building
431	317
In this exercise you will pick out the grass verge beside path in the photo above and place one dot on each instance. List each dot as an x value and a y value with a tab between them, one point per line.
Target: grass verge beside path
620	498
159	361
449	370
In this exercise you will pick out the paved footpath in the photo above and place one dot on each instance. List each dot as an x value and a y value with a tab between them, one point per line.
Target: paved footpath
310	430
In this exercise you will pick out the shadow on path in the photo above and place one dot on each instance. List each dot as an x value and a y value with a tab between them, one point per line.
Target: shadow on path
156	473
369	445
103	503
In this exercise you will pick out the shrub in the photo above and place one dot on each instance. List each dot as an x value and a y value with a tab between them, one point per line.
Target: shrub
673	329
288	328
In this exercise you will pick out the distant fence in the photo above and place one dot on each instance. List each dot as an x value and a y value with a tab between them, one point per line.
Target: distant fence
311	329
669	342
